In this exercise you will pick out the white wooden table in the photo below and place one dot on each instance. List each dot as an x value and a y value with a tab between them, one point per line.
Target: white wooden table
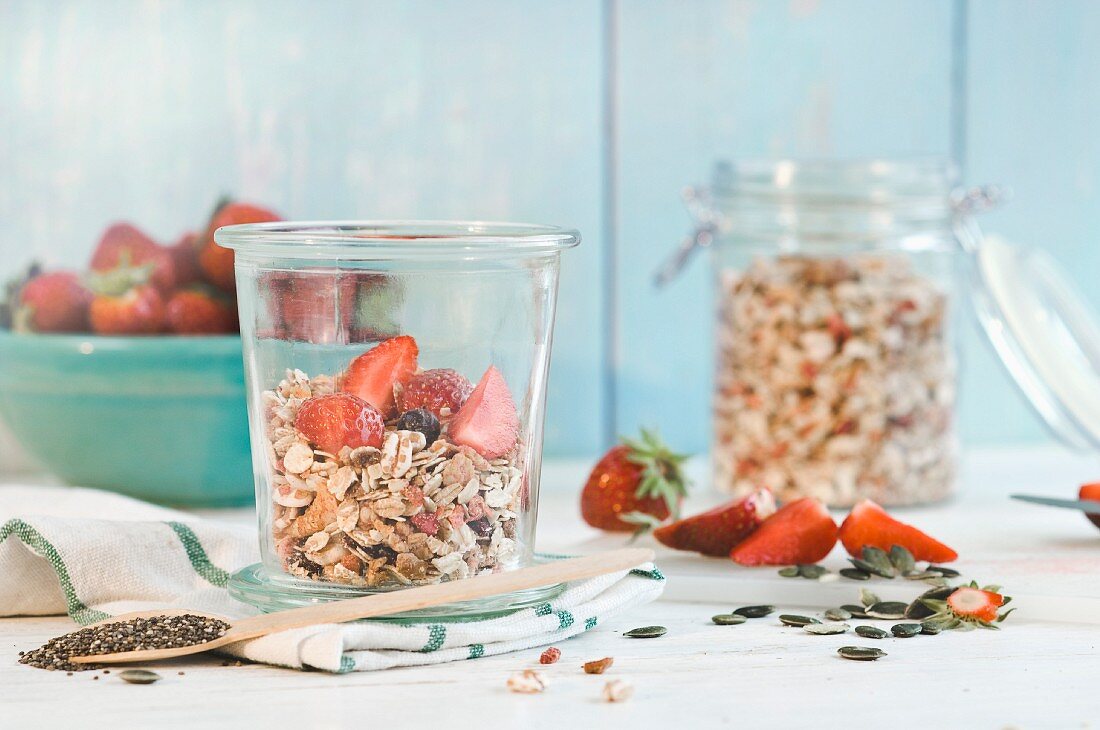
1035	673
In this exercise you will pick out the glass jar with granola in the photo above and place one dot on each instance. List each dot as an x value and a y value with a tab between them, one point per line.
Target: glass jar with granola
397	378
835	365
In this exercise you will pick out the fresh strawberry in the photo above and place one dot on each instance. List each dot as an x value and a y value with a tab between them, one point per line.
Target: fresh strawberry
217	262
435	390
635	485
185	258
124	245
966	606
138	310
201	312
1092	492
312	307
373	375
54	302
868	524
331	422
975	603
487	421
717	532
800	532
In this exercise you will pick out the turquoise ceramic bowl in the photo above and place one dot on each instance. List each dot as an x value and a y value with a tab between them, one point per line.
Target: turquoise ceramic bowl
160	418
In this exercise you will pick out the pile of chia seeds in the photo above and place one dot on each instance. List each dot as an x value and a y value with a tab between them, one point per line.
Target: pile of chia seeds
158	632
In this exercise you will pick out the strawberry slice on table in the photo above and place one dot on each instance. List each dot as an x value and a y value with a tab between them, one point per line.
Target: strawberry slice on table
800	532
487	422
1091	491
717	531
435	390
967	602
869	525
53	302
634	486
331	422
373	375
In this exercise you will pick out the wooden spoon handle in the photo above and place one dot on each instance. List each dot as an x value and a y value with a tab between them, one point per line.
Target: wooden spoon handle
411	599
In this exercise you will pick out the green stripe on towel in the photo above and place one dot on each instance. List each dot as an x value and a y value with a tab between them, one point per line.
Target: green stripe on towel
437	634
198	557
40	545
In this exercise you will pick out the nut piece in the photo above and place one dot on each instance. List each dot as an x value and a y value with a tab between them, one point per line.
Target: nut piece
617	690
598	666
528	682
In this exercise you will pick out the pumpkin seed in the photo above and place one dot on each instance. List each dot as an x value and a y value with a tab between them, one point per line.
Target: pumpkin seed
904	631
919	609
920	575
945	572
871	632
930	628
813	572
868	598
791	572
855	574
902	560
754	611
837	614
856	611
887	609
826	629
860	653
795	620
646	632
138	676
879	561
728	619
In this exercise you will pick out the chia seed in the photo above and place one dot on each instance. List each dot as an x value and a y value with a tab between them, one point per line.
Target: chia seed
158	632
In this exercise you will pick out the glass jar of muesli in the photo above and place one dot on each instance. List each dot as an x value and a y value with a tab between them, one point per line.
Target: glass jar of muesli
396	382
835	371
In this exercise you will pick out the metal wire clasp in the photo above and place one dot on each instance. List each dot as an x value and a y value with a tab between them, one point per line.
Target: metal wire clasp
707	224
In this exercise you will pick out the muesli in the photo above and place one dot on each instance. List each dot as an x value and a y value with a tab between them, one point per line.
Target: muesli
836	380
421	507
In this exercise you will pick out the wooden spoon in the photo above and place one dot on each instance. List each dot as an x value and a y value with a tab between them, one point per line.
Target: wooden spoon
385	604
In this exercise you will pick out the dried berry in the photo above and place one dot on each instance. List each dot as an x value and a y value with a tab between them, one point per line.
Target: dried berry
422	420
598	666
550	656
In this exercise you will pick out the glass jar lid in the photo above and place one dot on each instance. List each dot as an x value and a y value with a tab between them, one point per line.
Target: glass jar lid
1045	333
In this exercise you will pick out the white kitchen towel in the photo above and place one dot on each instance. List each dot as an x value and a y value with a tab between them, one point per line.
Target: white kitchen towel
94	554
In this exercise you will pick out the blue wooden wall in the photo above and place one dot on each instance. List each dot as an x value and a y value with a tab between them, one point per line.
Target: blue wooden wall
586	113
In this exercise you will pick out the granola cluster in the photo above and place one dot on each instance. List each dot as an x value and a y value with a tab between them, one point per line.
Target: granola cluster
835	379
407	513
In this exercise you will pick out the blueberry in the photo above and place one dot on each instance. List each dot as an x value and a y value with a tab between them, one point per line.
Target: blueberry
422	420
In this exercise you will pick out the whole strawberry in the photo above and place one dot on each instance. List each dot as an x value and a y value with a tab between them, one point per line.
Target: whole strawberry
217	262
125	303
125	245
54	302
635	484
199	311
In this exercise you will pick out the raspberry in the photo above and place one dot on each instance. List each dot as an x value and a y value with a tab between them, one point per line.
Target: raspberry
550	656
425	522
435	390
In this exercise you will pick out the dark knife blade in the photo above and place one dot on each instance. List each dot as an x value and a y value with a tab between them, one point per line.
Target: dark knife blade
1088	506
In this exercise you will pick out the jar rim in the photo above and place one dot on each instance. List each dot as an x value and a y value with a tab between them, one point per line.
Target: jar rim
374	239
883	181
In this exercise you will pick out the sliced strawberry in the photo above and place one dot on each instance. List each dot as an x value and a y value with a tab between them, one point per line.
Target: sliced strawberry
800	532
331	422
717	532
487	423
372	375
868	524
1092	492
435	390
975	603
